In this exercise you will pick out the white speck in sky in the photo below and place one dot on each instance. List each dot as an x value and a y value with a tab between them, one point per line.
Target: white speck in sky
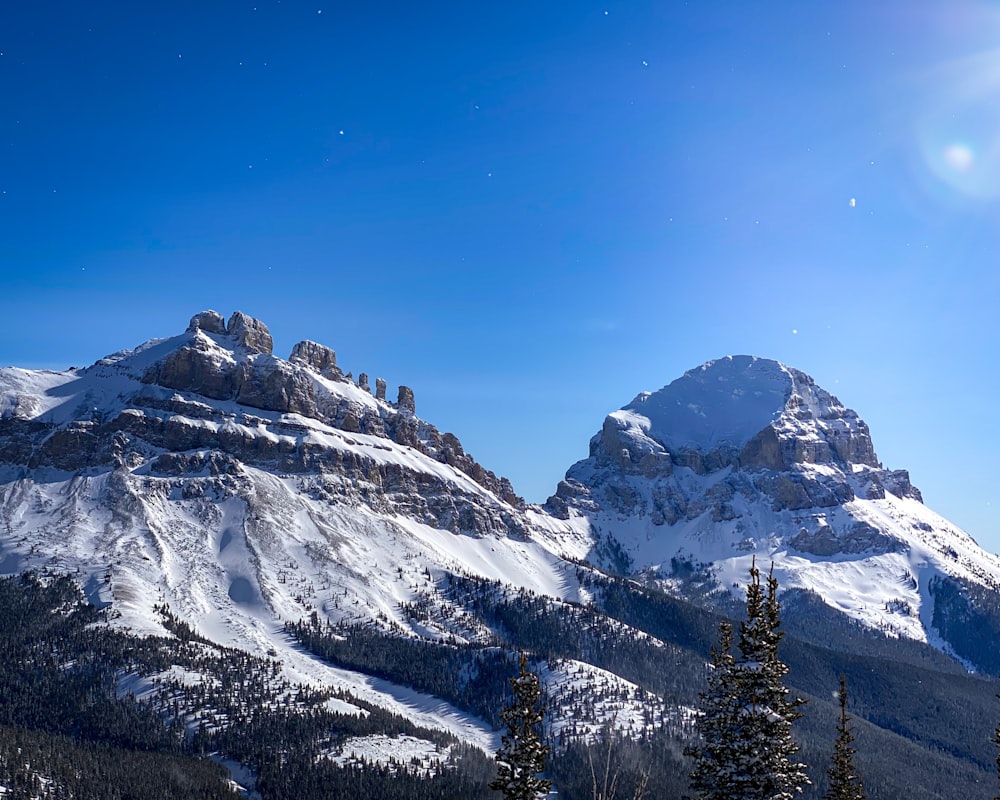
645	63
489	174
340	132
852	202
319	11
795	330
605	14
249	166
180	56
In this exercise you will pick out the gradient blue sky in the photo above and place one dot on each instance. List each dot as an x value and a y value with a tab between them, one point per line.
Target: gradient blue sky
529	212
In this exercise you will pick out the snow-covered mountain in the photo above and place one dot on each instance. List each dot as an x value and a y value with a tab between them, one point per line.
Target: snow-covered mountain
745	457
242	491
241	488
203	489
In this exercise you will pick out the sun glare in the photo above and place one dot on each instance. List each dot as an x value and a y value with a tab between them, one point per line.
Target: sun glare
959	157
959	128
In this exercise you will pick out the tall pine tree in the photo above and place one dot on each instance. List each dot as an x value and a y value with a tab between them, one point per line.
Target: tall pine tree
522	753
746	751
995	739
715	757
845	783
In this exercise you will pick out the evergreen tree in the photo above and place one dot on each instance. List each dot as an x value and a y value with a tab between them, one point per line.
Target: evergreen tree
522	753
845	783
746	750
715	757
996	740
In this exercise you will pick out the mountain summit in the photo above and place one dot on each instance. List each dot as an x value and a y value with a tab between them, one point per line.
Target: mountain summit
745	457
744	410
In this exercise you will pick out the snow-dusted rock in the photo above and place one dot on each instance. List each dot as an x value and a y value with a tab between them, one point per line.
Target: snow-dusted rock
209	321
317	357
249	332
243	490
405	401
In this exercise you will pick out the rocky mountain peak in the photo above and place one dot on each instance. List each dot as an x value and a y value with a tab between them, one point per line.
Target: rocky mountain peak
249	333
735	411
745	458
210	321
740	451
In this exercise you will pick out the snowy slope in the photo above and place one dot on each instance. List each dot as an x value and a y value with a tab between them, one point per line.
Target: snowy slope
243	490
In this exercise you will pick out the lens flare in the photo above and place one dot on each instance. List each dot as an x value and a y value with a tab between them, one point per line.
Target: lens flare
959	157
958	129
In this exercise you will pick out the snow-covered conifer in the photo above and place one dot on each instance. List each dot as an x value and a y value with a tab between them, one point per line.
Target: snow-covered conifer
746	751
845	783
522	752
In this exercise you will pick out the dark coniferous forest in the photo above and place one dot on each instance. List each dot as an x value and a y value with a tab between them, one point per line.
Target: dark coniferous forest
67	728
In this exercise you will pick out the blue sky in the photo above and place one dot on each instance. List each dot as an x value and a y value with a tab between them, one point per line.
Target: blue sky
528	212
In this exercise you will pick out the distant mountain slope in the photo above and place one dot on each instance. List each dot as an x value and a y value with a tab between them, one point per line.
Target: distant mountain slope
744	457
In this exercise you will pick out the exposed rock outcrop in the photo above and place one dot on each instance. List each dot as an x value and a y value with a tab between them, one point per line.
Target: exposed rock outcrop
249	332
200	367
859	538
405	401
317	357
208	321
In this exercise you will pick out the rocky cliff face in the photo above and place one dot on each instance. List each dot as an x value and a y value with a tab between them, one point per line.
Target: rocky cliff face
218	387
